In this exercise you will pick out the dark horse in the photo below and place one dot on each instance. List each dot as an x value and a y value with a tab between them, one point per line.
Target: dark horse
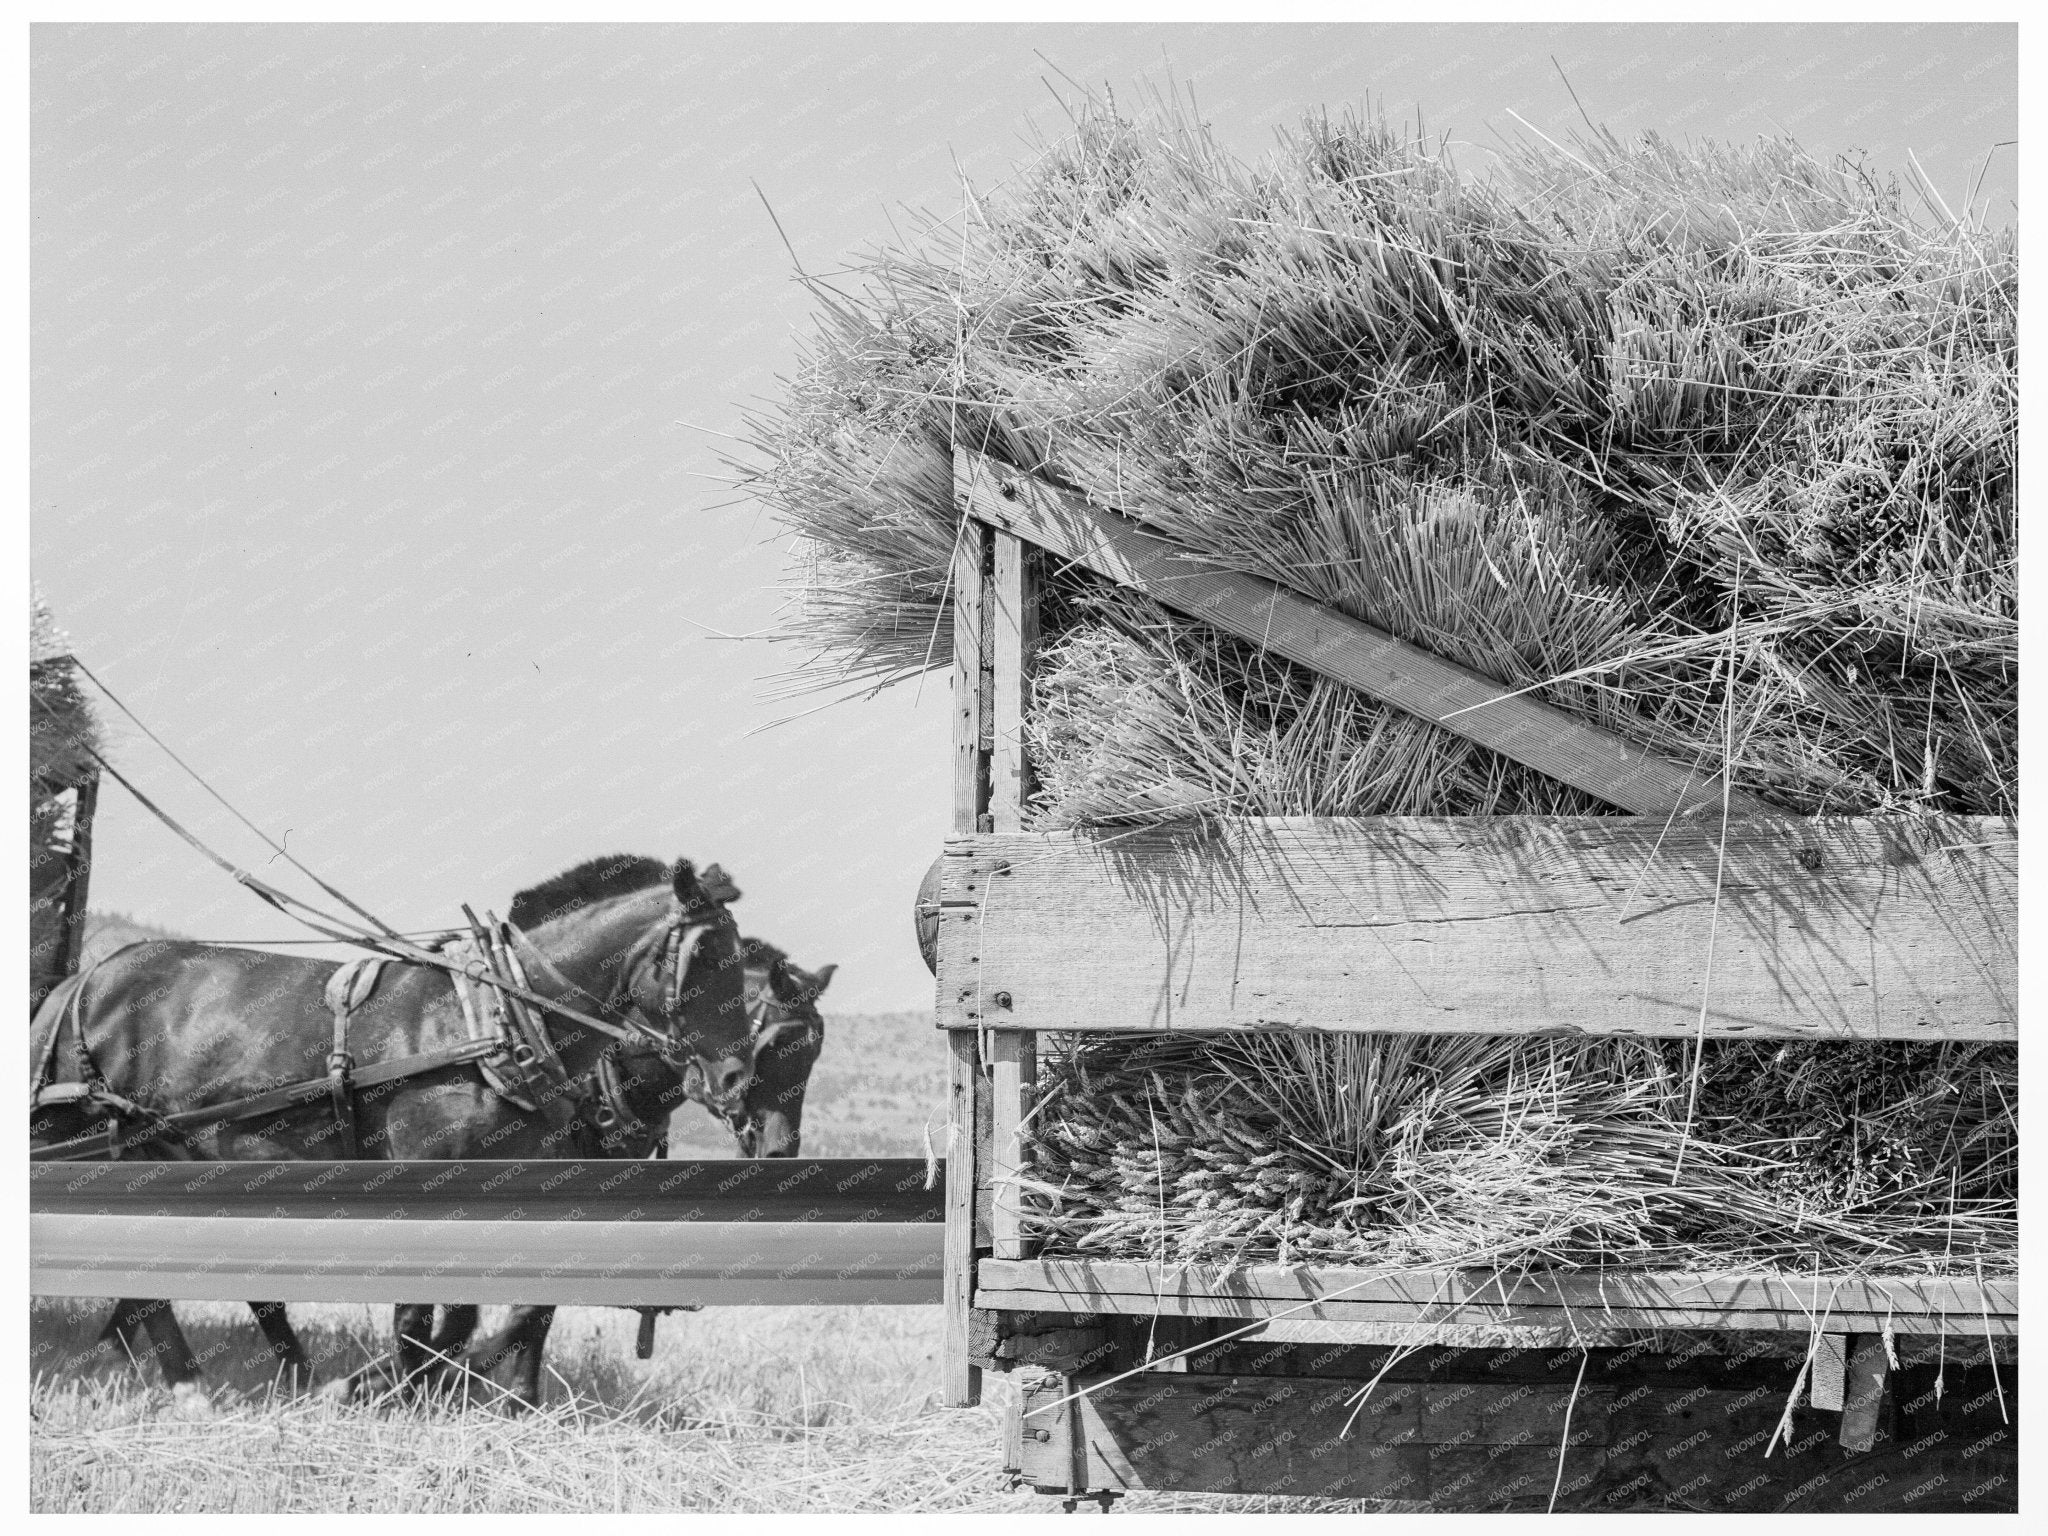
789	1033
164	1028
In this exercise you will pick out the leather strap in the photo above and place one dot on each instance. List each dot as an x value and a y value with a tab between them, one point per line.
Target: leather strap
485	1026
347	990
683	939
616	1122
252	1107
531	1023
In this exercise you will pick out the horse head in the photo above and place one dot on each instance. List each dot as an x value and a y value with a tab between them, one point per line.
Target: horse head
697	990
789	1033
668	955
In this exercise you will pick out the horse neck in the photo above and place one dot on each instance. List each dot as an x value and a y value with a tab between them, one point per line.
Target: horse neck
596	950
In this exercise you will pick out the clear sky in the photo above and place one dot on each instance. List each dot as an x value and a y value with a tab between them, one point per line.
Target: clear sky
361	357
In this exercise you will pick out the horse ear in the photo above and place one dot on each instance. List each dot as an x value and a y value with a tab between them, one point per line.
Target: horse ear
684	878
793	984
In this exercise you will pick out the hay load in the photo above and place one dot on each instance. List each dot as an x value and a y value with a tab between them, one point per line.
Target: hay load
62	735
1713	447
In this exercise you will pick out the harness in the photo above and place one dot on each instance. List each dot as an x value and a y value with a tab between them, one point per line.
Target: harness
507	1038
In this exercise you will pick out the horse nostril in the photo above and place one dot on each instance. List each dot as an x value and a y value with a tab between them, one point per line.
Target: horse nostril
729	1083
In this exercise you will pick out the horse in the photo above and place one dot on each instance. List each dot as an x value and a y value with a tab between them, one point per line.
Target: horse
789	1034
767	1121
170	1042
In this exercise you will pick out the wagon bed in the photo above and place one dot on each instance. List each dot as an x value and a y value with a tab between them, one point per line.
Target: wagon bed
1145	1375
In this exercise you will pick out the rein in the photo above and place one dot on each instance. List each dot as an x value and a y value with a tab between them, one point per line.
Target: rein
494	966
385	942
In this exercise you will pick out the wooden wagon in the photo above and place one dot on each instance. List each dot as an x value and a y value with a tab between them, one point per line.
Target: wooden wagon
1139	1376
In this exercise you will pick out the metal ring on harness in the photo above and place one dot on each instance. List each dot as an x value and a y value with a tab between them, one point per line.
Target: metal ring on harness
613	1115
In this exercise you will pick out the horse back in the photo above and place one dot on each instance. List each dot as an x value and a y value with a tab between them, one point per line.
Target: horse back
180	1025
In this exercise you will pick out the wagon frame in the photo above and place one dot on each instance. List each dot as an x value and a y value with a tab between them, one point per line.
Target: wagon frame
1141	1376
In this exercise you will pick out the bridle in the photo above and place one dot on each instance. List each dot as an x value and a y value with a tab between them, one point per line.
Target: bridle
677	949
763	1033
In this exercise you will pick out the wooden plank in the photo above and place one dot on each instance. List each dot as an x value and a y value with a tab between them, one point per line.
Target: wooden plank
1489	1444
1499	925
1827	1371
961	1378
1013	628
1518	726
849	1189
1308	1437
970	759
1610	1298
1868	1370
1012	1080
573	1263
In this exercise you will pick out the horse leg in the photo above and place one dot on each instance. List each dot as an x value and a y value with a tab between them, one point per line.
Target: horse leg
532	1325
124	1327
283	1340
518	1346
412	1326
457	1328
133	1319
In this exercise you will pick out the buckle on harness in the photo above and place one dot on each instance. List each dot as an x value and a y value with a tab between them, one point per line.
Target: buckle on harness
340	1063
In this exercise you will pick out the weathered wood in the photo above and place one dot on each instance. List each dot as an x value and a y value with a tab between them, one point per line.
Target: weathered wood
1595	1299
571	1263
1868	1370
960	1385
1601	1366
961	1378
1496	925
970	756
1013	1443
1014	1075
1307	1437
819	1189
1056	1349
1013	631
1516	725
1486	1444
1826	1370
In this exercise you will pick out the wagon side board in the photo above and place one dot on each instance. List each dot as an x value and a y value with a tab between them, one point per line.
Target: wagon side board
1500	925
1577	1300
1587	1444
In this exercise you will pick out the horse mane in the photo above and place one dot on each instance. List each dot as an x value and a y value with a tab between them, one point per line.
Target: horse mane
594	880
761	952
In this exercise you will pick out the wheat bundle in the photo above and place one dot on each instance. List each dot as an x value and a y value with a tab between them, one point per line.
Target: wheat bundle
62	735
1407	1150
1714	447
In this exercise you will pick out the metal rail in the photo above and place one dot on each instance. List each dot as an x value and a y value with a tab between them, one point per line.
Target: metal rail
722	1232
